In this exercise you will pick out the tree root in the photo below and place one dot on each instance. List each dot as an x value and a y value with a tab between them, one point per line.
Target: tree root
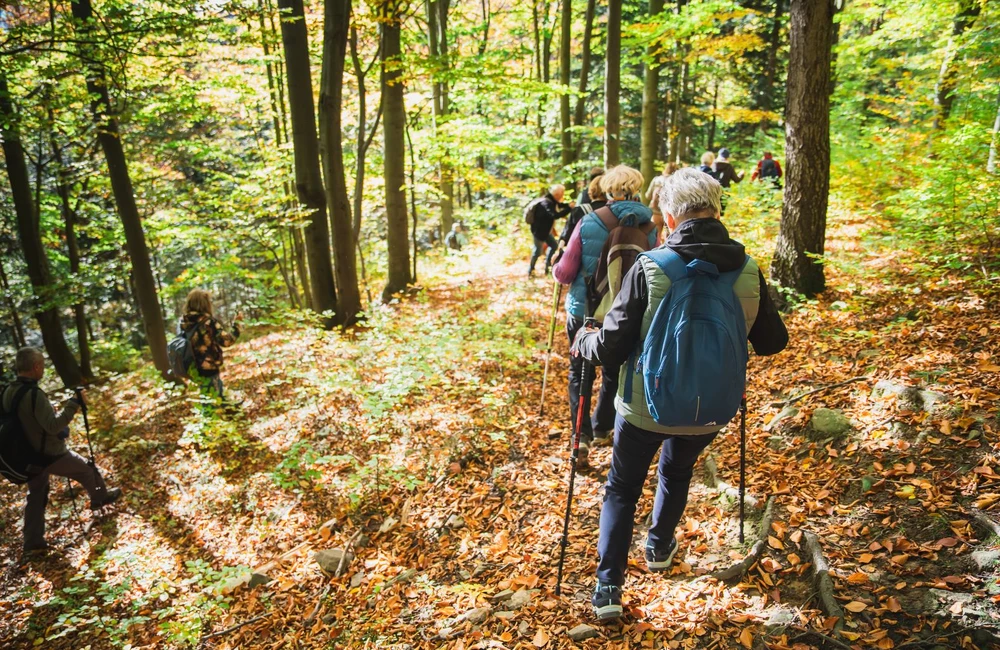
792	400
987	522
740	568
823	639
823	582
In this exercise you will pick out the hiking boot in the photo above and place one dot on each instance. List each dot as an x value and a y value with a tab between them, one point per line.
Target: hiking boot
658	560
110	496
583	455
602	438
607	601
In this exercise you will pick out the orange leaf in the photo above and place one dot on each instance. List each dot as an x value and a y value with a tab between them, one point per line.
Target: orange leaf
893	604
774	542
796	536
541	639
857	578
855	606
901	559
794	559
866	558
746	638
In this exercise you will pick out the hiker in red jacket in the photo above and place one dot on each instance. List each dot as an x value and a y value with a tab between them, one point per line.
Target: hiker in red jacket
769	168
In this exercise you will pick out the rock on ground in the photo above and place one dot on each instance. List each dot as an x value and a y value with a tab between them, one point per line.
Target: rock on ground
829	422
329	559
583	632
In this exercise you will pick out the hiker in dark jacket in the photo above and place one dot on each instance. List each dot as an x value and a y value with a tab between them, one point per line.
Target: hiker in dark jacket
208	337
724	171
622	186
690	200
47	432
585	192
544	216
768	167
596	201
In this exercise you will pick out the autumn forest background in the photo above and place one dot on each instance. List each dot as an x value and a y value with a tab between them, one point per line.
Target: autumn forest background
303	162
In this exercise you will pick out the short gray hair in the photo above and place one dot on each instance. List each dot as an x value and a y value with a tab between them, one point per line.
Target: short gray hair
27	358
688	191
557	187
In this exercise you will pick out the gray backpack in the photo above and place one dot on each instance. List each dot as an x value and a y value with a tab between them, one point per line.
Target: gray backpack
180	353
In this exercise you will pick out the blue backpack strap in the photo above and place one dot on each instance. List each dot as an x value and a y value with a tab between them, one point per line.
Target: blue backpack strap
672	264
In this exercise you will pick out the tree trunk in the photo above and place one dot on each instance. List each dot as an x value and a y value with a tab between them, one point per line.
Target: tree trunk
807	149
991	163
580	114
308	179
612	86
537	24
302	265
336	21
31	244
394	152
771	69
12	308
713	123
121	186
72	247
565	37
437	32
947	83
650	110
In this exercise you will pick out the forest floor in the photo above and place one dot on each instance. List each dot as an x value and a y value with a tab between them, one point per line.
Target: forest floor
415	443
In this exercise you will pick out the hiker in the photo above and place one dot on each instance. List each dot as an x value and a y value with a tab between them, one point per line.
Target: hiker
724	172
47	432
707	160
622	186
596	201
769	168
698	243
456	237
585	192
208	337
652	199
542	214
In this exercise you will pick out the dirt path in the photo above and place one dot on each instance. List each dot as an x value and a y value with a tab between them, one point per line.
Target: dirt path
417	442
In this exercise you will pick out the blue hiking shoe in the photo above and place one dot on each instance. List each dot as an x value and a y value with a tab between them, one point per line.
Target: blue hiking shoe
658	560
607	601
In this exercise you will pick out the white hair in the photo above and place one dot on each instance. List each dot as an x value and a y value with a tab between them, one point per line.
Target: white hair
688	191
556	188
27	358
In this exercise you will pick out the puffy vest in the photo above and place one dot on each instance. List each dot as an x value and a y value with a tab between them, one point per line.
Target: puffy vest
593	234
634	411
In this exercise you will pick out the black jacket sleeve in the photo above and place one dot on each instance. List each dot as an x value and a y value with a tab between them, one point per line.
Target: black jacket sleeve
768	334
617	338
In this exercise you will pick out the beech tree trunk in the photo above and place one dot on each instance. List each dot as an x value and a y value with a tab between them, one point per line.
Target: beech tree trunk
12	308
650	111
991	163
31	245
109	137
944	98
807	149
579	113
394	148
771	69
612	86
437	32
336	21
565	39
308	179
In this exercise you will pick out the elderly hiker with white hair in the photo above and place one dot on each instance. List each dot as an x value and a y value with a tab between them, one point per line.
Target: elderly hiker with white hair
679	325
621	185
541	214
46	432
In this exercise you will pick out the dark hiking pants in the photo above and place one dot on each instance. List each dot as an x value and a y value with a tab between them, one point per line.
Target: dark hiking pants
603	417
74	467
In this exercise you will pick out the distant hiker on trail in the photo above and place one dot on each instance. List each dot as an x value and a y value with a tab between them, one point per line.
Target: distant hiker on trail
675	393
724	171
208	336
652	199
769	168
47	431
621	185
585	192
707	160
596	201
456	238
541	214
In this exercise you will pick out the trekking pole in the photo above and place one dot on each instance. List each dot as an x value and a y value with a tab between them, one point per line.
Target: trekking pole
556	296
743	458
572	471
90	447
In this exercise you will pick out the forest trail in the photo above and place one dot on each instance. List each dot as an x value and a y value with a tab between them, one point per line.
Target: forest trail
421	445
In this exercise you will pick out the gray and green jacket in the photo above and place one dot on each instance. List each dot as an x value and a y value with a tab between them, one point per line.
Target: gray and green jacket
39	419
644	288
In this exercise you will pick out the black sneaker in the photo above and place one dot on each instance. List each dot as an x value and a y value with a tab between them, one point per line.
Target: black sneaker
110	496
607	601
659	560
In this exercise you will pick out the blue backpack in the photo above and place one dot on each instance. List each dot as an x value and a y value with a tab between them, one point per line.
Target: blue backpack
694	357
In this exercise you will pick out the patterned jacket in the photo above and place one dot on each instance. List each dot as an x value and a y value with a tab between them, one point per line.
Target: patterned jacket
207	340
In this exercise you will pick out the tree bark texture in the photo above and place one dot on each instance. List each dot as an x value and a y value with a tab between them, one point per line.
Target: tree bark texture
15	318
991	163
110	140
336	22
612	86
308	179
650	110
394	147
579	113
807	149
30	237
771	69
565	40
437	32
947	83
